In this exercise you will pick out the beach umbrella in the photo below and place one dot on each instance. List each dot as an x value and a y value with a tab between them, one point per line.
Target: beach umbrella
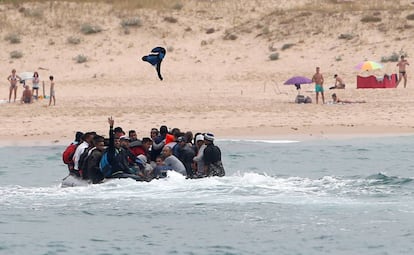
297	81
368	65
26	75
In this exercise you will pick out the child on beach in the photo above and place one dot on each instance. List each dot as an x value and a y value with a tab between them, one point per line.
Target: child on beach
52	91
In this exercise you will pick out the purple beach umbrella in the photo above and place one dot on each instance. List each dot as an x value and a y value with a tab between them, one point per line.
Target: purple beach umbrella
298	80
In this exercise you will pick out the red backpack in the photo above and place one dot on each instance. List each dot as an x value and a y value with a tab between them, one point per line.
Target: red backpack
67	155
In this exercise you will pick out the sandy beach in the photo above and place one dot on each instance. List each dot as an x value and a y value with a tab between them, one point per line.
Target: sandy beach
218	75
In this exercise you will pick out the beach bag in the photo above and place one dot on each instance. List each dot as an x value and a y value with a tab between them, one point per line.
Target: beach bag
105	166
67	155
300	99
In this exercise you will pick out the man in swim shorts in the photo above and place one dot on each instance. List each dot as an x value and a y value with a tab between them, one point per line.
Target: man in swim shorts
318	80
401	69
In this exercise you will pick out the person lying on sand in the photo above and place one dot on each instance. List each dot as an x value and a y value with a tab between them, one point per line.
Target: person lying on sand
336	100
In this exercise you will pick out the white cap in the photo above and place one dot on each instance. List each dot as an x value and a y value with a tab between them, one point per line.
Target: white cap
124	137
199	137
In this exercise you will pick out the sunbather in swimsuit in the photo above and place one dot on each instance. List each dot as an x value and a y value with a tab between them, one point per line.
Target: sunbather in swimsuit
401	69
13	84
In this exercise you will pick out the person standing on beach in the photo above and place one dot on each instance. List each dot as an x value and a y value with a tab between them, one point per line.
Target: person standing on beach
318	80
52	91
35	87
12	78
401	69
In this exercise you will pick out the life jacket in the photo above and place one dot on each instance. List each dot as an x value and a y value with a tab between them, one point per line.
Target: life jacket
169	138
67	155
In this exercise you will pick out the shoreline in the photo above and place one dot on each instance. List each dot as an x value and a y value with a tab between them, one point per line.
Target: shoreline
280	135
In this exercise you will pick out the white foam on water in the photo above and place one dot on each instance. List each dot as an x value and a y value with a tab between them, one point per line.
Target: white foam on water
258	141
240	188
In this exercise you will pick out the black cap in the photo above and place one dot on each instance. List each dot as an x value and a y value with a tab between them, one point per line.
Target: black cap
78	136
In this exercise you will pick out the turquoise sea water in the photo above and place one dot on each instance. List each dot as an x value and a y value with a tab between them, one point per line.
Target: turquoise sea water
308	197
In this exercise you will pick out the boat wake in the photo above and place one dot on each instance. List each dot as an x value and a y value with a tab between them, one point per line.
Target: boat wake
239	188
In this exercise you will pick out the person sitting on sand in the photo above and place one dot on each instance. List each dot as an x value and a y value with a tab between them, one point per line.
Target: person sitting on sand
336	100
339	83
27	97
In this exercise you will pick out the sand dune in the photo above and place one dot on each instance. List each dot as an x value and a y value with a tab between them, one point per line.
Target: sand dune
218	75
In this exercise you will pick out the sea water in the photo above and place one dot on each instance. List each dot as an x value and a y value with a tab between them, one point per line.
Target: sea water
279	197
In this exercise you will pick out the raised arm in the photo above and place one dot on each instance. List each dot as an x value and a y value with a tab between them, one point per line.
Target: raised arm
111	145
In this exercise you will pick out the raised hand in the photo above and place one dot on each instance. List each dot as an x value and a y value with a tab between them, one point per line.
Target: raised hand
111	121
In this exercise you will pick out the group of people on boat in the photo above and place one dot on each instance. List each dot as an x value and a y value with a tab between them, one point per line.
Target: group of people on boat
95	158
